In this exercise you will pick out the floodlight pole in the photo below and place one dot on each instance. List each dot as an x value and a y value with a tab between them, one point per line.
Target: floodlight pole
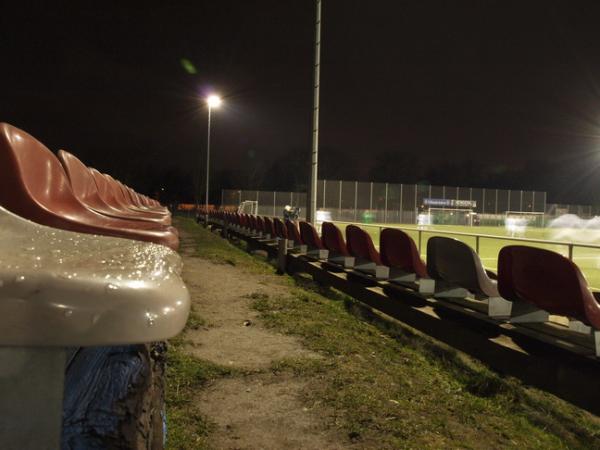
312	189
207	165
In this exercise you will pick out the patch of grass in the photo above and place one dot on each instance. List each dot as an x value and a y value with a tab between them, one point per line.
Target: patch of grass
389	384
185	375
216	249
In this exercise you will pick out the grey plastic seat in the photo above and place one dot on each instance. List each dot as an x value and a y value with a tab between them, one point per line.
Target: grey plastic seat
457	271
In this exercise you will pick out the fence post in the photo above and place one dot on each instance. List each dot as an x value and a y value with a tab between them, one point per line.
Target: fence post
340	203
385	206
483	206
401	196
571	252
521	200
496	203
355	199
415	205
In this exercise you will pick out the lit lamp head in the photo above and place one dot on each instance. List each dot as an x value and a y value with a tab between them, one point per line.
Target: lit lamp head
213	101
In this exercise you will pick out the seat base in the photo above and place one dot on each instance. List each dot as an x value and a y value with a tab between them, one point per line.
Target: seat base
397	275
345	261
31	395
370	268
318	253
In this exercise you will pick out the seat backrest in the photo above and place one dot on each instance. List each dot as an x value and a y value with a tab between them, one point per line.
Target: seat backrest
83	184
455	262
542	277
113	185
33	183
310	236
260	225
280	229
399	250
105	189
360	244
292	232
333	240
269	228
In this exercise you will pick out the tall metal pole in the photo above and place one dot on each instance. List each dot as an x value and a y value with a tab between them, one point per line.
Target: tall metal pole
312	200
207	165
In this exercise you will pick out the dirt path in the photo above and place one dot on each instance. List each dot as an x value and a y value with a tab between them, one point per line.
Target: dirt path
262	409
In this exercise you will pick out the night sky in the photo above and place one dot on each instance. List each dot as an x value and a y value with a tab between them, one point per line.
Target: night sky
475	93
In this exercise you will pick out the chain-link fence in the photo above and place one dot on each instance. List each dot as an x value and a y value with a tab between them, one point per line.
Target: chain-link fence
365	202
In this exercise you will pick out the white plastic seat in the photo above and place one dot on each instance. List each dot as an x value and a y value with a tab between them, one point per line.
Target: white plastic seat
62	289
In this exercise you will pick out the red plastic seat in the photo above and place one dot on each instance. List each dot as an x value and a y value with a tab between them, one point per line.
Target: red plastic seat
293	233
333	240
549	281
125	203
360	245
260	225
154	208
85	189
310	237
34	185
399	251
268	226
280	229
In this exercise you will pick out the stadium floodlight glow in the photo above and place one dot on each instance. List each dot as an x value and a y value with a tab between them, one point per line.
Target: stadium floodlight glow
213	101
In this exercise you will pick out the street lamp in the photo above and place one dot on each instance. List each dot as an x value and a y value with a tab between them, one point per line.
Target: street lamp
212	101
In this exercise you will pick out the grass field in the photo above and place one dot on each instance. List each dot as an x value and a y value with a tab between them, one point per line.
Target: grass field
588	259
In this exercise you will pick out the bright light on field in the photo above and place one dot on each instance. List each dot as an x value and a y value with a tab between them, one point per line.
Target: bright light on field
213	101
323	216
515	226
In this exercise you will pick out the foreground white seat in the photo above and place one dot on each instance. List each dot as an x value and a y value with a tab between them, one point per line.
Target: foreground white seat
63	289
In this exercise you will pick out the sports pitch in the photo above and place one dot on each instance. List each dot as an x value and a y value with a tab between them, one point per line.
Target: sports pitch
588	259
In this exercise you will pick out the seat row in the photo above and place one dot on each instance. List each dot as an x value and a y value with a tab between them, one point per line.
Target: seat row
62	192
531	283
84	261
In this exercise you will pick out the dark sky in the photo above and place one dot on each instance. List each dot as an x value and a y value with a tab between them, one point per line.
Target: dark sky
500	84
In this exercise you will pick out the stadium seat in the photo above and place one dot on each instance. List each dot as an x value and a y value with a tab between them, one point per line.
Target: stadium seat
294	236
550	282
310	237
126	205
280	229
85	189
268	228
457	270
366	258
111	286
60	290
333	240
34	185
400	254
260	227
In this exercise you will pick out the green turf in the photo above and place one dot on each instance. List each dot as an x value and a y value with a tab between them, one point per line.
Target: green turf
588	259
